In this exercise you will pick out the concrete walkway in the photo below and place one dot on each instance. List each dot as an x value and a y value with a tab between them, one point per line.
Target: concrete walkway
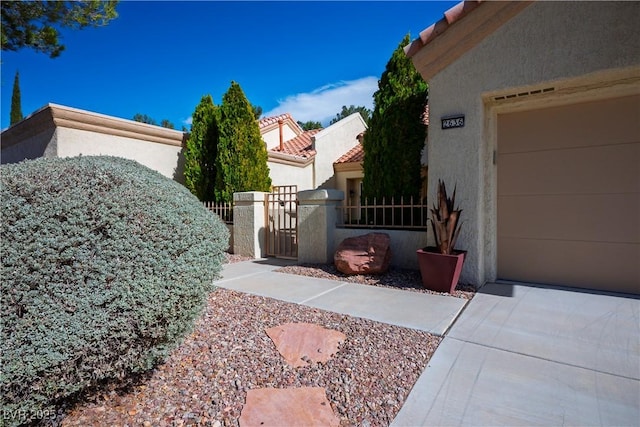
425	312
517	355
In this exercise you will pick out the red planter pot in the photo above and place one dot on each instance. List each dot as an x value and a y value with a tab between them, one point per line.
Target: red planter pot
440	272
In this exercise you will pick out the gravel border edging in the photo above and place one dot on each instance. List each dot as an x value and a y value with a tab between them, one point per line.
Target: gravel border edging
396	278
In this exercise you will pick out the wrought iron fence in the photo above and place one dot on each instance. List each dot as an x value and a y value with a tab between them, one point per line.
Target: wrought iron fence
223	209
392	214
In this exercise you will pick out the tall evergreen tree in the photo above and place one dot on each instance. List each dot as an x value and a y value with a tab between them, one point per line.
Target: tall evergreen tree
394	141
165	123
365	113
310	125
201	150
242	155
16	104
143	118
257	111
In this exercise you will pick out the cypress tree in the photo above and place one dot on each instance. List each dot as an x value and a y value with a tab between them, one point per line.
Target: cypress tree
242	154
201	150
16	104
394	141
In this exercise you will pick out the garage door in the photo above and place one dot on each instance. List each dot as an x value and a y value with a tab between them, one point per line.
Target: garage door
569	195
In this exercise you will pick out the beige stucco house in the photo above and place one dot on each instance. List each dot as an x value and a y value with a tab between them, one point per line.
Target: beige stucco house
295	157
59	131
306	158
349	173
291	155
535	114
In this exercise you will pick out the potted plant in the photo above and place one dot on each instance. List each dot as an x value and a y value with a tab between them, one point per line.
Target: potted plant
440	265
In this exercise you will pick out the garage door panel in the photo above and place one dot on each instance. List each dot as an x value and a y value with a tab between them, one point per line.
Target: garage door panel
589	265
605	122
571	217
601	169
569	195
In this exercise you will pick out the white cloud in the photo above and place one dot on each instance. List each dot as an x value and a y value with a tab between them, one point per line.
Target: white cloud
322	104
188	121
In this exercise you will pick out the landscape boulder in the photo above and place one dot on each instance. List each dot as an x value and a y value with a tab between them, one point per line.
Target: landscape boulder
366	254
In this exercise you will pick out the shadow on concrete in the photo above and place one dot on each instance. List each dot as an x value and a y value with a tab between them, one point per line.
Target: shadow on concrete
503	288
279	262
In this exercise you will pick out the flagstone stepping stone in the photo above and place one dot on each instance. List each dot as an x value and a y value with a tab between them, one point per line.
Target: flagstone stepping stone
305	406
303	343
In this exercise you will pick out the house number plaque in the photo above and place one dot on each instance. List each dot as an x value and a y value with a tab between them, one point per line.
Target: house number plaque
451	122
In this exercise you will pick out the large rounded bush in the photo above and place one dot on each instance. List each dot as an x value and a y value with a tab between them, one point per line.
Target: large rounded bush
105	266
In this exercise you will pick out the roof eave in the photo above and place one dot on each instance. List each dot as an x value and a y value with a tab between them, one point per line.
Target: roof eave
348	166
53	116
290	159
461	29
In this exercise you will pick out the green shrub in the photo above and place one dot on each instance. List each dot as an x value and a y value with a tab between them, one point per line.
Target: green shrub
105	266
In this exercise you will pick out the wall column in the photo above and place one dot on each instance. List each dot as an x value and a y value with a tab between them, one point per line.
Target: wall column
317	216
248	224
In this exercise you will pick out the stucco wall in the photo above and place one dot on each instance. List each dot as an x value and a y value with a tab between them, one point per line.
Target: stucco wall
43	144
317	216
248	224
332	143
547	45
341	184
58	130
163	158
230	228
285	174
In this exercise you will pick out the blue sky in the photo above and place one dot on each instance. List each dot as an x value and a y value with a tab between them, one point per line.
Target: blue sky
159	58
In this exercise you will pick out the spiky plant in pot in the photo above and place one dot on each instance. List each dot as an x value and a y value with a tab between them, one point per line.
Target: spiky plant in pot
445	220
440	266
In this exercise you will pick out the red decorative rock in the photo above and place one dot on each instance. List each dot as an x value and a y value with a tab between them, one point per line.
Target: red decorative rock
367	254
306	406
302	343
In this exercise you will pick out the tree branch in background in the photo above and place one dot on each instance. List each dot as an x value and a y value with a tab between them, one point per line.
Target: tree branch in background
36	24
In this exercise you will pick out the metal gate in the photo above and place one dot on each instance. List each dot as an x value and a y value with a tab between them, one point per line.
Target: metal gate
282	222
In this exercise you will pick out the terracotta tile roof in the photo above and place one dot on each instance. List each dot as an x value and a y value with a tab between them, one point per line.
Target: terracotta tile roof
269	121
266	121
356	154
300	146
451	16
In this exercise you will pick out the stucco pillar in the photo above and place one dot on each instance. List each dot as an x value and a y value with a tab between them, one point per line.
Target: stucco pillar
317	216
248	224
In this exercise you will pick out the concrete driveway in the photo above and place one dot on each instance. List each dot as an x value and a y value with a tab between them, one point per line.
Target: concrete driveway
534	355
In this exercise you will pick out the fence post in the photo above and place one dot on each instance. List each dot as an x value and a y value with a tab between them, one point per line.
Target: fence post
317	217
248	224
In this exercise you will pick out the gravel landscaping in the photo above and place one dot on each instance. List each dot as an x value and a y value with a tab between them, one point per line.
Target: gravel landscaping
205	380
